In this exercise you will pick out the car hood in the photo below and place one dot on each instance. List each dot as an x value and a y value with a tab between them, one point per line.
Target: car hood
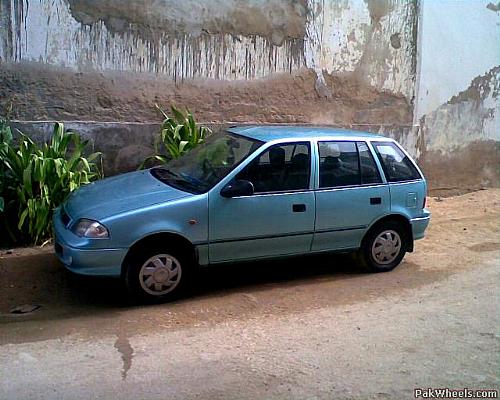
119	194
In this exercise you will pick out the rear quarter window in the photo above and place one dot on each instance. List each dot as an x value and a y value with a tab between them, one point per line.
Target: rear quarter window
396	165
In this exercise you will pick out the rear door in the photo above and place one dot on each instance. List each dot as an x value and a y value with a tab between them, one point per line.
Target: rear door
351	194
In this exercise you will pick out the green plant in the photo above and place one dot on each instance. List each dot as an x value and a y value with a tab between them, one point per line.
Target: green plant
5	140
39	178
178	134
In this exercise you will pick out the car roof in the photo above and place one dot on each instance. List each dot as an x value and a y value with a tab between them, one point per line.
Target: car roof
267	133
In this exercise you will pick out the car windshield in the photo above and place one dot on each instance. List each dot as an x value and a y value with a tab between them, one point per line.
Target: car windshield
203	167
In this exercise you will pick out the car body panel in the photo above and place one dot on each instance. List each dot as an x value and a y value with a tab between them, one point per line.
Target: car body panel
135	206
420	224
186	216
337	226
279	133
119	194
78	256
259	226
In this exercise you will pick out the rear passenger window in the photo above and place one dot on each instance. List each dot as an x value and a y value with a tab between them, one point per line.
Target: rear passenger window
369	170
338	164
397	166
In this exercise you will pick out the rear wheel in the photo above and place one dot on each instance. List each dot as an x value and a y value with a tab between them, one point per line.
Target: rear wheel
156	274
384	247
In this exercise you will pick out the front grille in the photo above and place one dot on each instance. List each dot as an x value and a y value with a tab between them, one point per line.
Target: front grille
65	217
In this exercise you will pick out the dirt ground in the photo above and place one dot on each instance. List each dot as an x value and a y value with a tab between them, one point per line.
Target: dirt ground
313	327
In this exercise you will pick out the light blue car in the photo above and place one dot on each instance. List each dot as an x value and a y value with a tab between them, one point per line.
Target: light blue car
247	193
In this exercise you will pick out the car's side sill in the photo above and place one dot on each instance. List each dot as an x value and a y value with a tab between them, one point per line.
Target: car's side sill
281	235
283	256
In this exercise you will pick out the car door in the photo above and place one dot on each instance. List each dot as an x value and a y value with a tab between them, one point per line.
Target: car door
278	219
351	194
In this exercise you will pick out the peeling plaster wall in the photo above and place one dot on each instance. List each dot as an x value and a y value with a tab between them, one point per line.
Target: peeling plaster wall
348	63
219	39
459	40
457	108
47	32
373	39
292	61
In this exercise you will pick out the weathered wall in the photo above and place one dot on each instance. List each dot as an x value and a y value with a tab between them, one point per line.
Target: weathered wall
180	51
457	107
347	62
219	39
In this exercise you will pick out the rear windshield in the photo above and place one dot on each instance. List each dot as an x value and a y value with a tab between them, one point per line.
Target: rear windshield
397	165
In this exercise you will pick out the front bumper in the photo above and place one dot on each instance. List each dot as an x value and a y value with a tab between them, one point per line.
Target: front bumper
96	262
420	224
78	256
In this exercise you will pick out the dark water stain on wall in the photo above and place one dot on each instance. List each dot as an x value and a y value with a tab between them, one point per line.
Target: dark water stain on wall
378	9
12	17
396	41
274	19
493	7
380	47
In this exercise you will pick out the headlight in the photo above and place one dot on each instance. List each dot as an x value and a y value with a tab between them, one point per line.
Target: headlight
90	229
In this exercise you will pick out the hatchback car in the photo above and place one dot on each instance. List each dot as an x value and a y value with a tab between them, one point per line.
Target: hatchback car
247	193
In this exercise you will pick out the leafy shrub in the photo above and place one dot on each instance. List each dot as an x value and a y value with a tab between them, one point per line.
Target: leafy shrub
178	135
39	178
5	140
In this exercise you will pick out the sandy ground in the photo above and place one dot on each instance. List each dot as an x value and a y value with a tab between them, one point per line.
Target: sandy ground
313	327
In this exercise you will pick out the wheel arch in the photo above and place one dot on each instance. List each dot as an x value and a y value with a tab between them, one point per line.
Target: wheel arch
172	239
393	217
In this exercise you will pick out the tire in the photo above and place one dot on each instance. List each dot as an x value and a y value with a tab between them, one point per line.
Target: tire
384	247
156	274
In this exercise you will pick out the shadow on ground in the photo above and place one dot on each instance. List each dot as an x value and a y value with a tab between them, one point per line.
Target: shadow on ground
41	279
72	304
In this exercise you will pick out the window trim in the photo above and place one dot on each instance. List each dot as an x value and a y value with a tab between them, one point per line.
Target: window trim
373	158
277	193
367	185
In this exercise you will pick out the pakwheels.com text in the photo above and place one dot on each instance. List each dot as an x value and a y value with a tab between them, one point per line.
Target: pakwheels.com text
445	393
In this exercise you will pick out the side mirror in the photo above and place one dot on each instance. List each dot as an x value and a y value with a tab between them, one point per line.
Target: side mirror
237	188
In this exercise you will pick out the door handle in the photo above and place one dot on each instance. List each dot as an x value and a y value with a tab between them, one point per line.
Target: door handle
375	200
299	207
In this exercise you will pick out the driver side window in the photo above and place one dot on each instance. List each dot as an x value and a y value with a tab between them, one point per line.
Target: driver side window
281	168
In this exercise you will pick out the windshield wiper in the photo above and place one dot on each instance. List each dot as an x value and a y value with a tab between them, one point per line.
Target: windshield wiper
170	177
167	171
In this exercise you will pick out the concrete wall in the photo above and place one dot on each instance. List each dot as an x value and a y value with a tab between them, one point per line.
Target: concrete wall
103	64
457	105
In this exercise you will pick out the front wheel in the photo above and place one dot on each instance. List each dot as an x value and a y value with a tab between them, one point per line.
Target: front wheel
156	274
384	247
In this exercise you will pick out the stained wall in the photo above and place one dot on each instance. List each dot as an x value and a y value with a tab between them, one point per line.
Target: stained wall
457	106
376	64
